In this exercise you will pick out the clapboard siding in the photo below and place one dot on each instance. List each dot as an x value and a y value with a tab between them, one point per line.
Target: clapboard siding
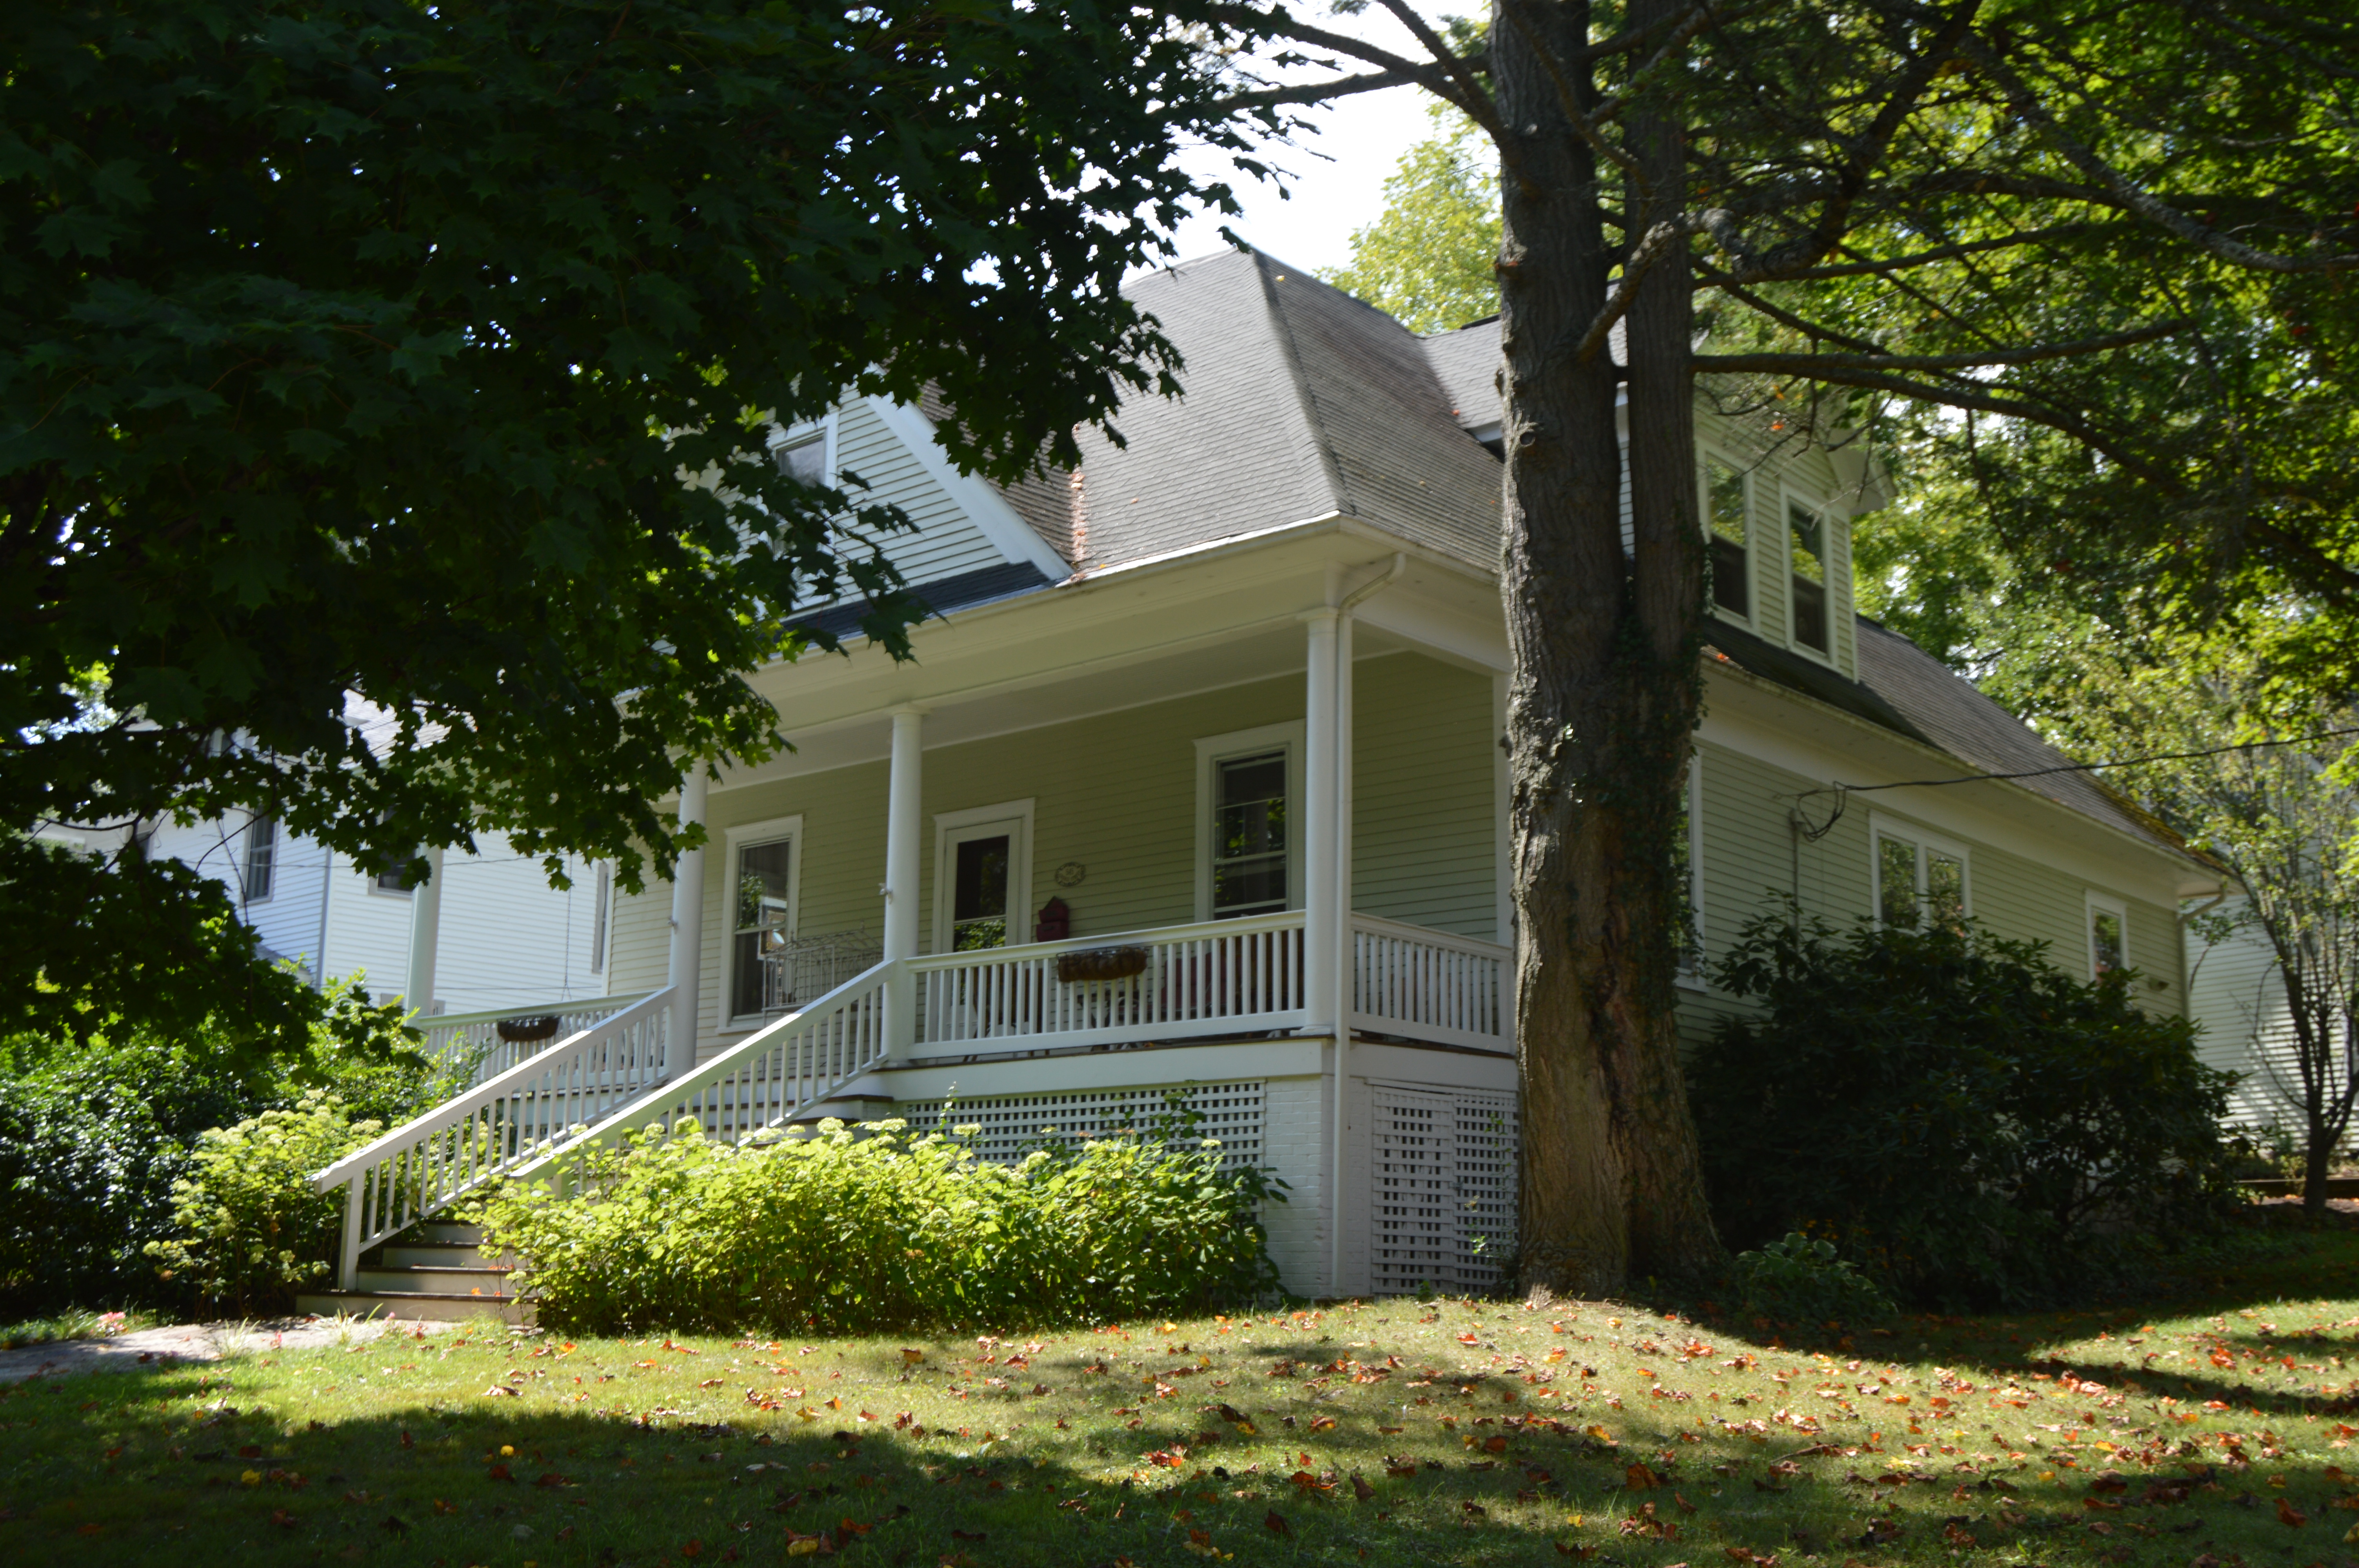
1424	843
945	542
2235	990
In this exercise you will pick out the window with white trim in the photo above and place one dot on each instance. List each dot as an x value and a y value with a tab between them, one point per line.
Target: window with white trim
1808	601
765	861
261	858
1248	822
1724	498
2109	935
806	453
1919	880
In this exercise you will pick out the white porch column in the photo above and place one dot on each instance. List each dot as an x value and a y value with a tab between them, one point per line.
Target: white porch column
1344	958
903	825
687	929
1321	925
425	935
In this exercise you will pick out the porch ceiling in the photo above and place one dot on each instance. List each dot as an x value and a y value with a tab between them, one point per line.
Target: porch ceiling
1097	646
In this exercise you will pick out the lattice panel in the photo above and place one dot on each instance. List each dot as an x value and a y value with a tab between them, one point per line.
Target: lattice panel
1444	1170
1015	1124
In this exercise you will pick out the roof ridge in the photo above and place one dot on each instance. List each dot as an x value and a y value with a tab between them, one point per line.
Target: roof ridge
1307	399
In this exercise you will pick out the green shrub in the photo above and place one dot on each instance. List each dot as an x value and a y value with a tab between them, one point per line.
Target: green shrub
1972	1126
94	1132
249	1231
871	1229
1801	1280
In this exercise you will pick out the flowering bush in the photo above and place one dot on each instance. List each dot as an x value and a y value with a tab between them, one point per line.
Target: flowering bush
870	1228
251	1232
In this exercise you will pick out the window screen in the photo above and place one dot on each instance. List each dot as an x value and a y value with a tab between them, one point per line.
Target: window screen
2108	945
1809	550
1249	836
261	857
1724	521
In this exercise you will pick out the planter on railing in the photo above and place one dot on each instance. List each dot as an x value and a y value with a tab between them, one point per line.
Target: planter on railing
490	1036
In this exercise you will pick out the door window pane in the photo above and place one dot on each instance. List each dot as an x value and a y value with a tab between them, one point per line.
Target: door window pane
978	894
2106	946
1249	836
1808	548
1725	517
765	873
1895	877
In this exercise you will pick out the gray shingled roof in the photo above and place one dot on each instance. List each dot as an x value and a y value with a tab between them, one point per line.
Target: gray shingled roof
1301	402
1961	721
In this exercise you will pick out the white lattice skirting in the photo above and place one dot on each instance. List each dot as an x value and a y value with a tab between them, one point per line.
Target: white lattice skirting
1012	1124
1444	1163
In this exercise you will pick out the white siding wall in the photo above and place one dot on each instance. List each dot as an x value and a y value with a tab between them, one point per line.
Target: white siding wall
2235	990
946	542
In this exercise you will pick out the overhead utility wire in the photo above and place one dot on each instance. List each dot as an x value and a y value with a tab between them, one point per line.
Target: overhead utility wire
1842	792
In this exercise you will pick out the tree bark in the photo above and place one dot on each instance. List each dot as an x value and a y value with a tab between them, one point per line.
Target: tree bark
1604	696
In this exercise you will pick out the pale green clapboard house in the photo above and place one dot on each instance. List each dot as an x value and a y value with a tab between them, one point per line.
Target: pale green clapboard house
1227	702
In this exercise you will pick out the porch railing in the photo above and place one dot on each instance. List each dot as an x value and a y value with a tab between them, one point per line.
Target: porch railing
1234	976
450	1034
505	1121
1430	985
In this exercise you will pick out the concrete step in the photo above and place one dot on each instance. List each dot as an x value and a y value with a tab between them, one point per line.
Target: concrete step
439	1306
443	1233
457	1280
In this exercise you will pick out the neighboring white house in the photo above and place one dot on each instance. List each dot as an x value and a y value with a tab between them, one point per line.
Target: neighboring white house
1217	719
2236	990
486	932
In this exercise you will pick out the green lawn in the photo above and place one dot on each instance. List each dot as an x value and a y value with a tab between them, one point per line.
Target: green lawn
1392	1432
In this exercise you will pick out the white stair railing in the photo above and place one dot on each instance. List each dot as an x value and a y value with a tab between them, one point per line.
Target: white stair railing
1229	977
504	1122
1430	985
450	1035
771	1076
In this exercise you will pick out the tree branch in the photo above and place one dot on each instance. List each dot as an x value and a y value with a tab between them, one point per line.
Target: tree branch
1488	114
1567	99
2145	203
1315	92
2029	353
1431	75
1923	258
1648	250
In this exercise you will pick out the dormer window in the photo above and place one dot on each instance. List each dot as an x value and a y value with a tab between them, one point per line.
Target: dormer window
803	457
1807	552
1724	510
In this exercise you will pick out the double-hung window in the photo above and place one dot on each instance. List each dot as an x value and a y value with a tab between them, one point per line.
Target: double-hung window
2109	935
261	858
1806	528
1919	881
1247	787
1723	514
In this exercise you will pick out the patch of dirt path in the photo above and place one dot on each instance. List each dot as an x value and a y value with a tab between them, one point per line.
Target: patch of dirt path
196	1342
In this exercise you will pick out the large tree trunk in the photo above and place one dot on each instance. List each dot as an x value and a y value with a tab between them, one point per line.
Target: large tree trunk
1604	692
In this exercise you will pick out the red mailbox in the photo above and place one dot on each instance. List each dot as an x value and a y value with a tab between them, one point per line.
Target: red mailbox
1055	922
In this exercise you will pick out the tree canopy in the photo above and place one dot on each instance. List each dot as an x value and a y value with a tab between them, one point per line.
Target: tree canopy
430	357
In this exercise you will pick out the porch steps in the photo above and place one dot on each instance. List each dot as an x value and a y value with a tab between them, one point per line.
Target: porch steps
434	1270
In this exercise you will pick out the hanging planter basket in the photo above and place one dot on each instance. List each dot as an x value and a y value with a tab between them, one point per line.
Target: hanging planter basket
1100	964
521	1031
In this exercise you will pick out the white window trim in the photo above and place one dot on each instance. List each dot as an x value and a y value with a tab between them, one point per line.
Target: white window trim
1212	749
2092	903
1690	975
1789	495
733	839
1880	828
785	435
1705	453
948	824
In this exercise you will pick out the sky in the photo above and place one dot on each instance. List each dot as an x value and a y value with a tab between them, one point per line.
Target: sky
1338	173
